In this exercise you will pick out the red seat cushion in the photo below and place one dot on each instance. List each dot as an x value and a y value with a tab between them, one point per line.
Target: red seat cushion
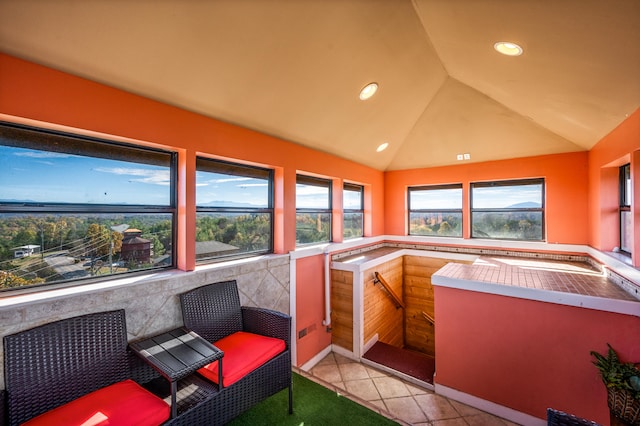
123	403
243	353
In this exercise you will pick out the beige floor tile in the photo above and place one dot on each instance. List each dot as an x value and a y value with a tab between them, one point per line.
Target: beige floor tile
484	419
353	371
379	403
436	407
407	409
364	389
341	359
327	360
459	421
464	409
417	390
340	386
390	387
406	403
375	373
328	373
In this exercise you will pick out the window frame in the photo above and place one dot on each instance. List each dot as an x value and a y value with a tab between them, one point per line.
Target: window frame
30	137
420	188
625	195
502	183
217	165
353	188
316	181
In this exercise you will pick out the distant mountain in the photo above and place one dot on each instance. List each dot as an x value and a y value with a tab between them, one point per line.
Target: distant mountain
14	200
228	204
525	205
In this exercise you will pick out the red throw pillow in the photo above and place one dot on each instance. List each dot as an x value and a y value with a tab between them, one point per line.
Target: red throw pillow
123	403
243	353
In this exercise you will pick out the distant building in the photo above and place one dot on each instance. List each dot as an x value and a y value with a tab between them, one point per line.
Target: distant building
134	247
26	251
205	249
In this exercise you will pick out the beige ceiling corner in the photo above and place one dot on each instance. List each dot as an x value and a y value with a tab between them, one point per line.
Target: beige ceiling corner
461	120
293	69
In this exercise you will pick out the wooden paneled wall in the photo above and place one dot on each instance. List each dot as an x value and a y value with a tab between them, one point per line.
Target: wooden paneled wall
410	278
418	297
342	309
380	313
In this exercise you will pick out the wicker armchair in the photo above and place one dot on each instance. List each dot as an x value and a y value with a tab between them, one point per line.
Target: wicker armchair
68	368
560	418
214	312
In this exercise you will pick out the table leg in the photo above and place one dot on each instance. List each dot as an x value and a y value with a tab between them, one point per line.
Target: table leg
174	405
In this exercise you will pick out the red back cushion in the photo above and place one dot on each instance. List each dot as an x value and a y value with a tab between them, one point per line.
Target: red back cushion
123	403
243	353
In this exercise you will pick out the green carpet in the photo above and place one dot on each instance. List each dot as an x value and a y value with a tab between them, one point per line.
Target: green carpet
313	404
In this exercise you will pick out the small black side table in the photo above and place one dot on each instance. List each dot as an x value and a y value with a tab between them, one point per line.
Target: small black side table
177	354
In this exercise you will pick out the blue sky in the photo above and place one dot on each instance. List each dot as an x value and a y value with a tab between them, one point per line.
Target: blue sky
484	197
40	176
215	187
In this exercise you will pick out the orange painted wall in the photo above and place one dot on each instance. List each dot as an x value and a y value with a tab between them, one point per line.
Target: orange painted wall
615	149
566	191
533	354
39	93
33	92
310	308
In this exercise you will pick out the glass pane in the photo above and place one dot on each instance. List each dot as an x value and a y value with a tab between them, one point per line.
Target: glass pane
351	200
512	196
313	228
225	190
442	224
312	196
626	231
625	195
33	176
436	199
353	225
50	248
514	225
228	234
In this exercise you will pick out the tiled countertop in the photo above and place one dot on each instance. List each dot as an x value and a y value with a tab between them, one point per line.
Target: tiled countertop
567	277
567	283
554	281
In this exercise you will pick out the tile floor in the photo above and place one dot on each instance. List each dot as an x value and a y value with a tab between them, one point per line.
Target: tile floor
394	398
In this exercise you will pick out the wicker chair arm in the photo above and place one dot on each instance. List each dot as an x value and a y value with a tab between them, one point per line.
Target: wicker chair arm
267	322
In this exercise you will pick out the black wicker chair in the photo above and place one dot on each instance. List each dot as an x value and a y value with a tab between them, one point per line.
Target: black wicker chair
214	312
560	418
54	364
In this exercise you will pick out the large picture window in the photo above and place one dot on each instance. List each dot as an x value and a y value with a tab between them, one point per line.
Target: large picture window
313	210
435	210
74	208
353	211
626	218
234	210
510	210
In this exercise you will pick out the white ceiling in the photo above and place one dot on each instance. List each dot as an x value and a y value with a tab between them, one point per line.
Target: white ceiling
293	68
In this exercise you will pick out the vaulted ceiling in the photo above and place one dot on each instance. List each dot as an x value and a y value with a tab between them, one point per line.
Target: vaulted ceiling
294	68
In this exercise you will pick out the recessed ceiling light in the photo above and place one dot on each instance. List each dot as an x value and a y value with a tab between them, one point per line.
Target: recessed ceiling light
382	147
508	48
368	91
